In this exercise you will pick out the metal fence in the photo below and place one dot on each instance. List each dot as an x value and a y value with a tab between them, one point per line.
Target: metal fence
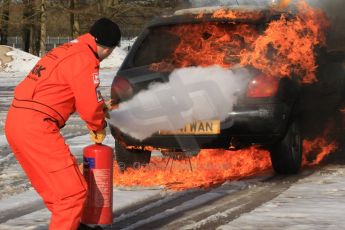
52	42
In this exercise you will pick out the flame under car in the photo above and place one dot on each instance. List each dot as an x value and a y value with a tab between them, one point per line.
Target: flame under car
267	113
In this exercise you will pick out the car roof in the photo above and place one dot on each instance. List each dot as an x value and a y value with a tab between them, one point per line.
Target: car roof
212	9
192	15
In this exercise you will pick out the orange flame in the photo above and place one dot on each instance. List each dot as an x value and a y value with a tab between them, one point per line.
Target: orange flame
314	151
223	13
222	47
286	48
231	14
317	149
213	167
210	167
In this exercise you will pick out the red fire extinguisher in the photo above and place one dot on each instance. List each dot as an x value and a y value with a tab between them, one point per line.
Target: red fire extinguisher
98	173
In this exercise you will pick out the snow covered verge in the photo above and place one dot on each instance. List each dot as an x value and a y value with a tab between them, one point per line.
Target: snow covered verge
15	60
117	56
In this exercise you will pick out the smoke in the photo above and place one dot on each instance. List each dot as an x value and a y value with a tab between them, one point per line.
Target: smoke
193	93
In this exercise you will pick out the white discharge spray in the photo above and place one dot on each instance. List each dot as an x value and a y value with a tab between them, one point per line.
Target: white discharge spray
192	94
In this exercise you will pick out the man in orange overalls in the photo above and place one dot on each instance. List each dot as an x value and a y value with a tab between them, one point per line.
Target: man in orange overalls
62	82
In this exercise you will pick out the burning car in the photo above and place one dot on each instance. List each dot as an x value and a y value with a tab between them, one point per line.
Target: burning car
281	51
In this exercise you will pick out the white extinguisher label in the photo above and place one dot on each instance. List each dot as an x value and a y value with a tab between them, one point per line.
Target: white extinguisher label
102	195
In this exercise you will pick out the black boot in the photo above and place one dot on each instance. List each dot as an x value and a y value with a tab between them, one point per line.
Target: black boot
86	227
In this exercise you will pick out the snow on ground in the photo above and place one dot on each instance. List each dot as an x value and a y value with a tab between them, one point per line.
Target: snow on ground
115	59
40	219
17	60
316	202
3	141
11	79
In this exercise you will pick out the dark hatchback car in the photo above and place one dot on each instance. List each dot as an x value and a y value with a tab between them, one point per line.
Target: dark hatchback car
270	113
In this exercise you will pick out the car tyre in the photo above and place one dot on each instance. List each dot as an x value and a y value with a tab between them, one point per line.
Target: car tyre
286	155
131	158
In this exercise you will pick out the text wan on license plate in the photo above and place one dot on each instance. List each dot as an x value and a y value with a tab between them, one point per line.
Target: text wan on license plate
196	128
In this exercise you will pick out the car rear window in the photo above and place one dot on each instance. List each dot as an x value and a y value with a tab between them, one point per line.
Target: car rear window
200	44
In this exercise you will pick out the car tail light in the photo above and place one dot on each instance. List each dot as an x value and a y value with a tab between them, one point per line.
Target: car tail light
121	89
263	86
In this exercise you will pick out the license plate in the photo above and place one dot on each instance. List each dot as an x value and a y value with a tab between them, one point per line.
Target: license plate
196	128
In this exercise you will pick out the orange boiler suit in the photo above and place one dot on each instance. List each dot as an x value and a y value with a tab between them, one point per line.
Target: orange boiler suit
62	82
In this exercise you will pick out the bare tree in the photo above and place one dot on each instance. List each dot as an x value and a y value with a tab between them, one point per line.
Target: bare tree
43	34
5	16
78	11
74	20
40	17
31	29
28	13
105	5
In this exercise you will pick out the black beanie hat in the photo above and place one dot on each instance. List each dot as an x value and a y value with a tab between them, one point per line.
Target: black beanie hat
106	32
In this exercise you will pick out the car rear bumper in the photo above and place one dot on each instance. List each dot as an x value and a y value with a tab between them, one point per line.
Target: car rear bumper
246	125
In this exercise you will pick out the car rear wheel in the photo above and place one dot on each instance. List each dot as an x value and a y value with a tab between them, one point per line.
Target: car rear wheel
286	155
131	158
